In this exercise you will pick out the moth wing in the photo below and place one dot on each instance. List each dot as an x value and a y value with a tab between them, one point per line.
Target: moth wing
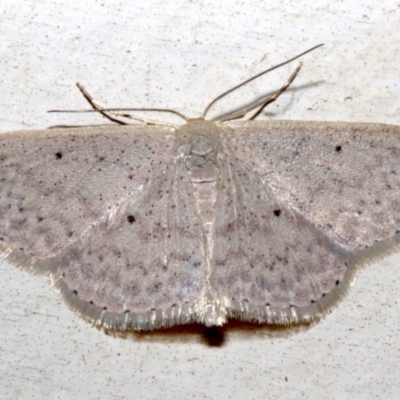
269	263
342	177
143	266
306	204
57	183
109	216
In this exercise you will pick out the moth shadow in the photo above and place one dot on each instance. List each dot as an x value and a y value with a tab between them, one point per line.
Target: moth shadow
210	336
256	102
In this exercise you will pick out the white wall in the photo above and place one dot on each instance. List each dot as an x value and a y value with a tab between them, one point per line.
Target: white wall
181	54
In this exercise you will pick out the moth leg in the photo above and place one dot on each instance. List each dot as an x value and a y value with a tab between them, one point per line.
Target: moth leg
272	98
105	112
98	107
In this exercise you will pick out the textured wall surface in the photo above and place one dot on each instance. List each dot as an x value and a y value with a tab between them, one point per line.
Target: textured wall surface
180	55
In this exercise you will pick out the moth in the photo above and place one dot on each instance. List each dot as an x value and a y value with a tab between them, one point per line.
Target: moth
149	226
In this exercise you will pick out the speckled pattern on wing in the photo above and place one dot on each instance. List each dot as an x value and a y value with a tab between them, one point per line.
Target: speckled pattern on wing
144	227
148	256
57	183
265	253
343	177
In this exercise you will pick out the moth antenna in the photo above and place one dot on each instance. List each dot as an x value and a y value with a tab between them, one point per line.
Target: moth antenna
261	104
117	111
255	77
102	110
